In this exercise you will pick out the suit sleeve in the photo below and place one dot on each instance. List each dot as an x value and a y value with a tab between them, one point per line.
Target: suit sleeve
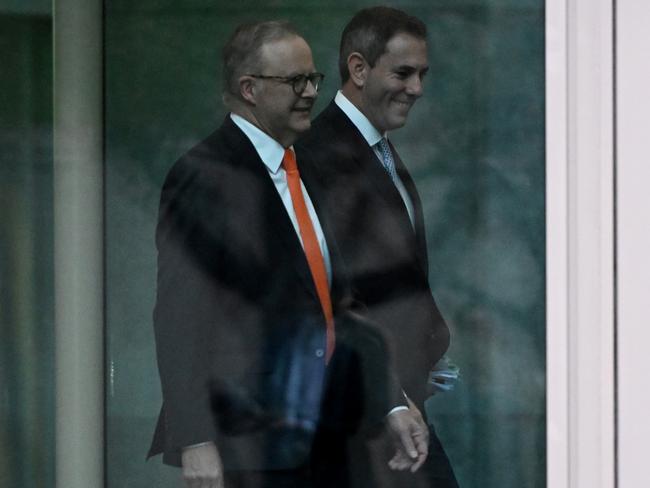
185	309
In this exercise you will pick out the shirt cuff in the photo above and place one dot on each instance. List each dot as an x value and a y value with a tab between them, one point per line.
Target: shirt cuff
397	409
400	407
199	444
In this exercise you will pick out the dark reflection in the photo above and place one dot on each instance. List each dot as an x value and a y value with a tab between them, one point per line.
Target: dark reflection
473	145
265	366
262	369
378	223
27	406
239	333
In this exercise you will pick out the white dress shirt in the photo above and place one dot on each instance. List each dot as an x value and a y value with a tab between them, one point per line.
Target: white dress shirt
372	137
271	153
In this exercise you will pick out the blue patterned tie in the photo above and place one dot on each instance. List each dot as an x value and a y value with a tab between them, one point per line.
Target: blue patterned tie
387	158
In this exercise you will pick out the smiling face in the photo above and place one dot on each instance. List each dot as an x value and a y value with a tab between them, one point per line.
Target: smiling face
392	86
277	109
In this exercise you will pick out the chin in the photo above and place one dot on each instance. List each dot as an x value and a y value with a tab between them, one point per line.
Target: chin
303	126
396	124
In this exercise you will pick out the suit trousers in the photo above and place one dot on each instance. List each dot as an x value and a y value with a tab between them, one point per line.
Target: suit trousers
354	464
369	466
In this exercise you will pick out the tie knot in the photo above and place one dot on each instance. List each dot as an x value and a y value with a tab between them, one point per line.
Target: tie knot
289	161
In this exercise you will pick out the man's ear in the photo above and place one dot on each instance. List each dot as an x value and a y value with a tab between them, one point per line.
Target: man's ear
358	68
248	89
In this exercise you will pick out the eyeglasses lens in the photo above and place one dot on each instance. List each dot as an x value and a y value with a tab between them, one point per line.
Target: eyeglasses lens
300	82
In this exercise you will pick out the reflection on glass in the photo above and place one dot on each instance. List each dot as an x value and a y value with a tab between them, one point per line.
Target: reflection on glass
26	270
474	147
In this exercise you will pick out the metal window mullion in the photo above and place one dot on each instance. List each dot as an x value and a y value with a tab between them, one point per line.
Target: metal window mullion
591	244
580	237
78	243
633	240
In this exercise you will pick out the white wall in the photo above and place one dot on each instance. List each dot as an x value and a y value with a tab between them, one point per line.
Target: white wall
633	240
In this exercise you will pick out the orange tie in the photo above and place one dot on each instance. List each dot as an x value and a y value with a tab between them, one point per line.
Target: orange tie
310	245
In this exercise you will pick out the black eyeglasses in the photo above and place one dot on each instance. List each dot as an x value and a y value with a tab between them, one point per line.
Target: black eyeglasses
298	82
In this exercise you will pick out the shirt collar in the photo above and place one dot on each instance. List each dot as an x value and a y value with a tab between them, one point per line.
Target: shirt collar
269	150
360	121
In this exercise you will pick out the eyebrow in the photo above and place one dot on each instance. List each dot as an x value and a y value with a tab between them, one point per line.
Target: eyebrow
301	73
410	67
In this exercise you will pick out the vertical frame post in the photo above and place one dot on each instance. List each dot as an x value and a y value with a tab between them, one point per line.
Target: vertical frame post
633	240
580	252
591	244
78	243
557	239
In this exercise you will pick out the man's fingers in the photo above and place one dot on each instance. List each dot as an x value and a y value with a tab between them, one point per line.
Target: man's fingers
419	419
424	431
197	480
408	445
202	466
399	462
421	443
210	480
417	464
411	438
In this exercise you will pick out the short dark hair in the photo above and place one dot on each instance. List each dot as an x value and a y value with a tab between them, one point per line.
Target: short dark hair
241	53
370	30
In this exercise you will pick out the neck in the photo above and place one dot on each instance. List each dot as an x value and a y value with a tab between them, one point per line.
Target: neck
249	115
353	93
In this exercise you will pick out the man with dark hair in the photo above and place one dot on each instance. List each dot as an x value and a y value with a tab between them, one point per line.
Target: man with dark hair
370	30
377	216
264	370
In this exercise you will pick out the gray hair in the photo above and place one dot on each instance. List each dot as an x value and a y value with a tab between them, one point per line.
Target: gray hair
242	53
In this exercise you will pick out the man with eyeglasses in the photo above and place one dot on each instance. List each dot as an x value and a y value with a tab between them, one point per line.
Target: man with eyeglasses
263	370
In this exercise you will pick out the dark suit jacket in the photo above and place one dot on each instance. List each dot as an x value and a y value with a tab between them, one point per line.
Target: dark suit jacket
239	329
385	256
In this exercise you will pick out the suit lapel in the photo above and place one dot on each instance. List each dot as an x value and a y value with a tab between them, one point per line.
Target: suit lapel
275	215
315	190
418	216
371	168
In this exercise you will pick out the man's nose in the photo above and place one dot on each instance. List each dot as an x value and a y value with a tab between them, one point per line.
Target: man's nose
415	86
309	91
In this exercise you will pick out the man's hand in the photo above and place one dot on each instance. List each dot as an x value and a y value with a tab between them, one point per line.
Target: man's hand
202	466
417	415
411	438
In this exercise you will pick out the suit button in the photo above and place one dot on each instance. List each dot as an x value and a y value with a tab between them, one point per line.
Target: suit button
320	353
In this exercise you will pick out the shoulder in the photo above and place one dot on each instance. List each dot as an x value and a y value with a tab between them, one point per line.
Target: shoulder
332	136
330	122
206	163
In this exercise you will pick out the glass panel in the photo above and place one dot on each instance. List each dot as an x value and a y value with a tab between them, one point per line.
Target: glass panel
483	181
26	266
474	144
